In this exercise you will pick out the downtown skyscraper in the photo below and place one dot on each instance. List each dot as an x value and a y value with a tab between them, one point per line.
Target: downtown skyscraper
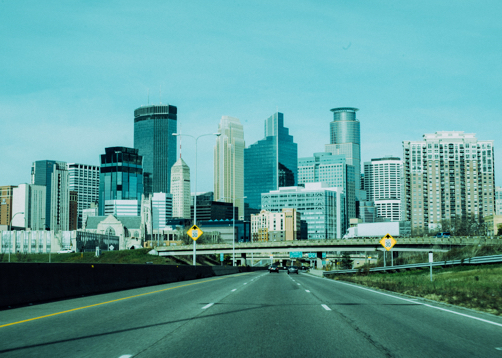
120	178
154	126
229	164
448	175
345	138
270	163
84	179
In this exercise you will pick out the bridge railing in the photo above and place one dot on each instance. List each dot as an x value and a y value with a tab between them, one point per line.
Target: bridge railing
474	240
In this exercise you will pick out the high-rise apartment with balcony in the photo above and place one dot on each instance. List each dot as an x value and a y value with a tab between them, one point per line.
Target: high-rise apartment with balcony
382	183
55	177
498	200
154	126
84	179
121	176
448	175
345	138
270	163
229	164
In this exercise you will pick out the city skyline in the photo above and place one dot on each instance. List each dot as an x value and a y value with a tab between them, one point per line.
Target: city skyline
75	74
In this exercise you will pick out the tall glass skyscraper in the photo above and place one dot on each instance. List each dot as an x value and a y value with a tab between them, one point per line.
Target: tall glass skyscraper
154	126
345	138
271	162
121	176
333	171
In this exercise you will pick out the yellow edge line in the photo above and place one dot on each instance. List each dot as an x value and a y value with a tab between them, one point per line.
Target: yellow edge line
119	299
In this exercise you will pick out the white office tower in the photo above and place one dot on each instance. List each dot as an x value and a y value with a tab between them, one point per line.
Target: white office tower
322	207
84	179
345	138
122	207
162	210
180	189
382	183
30	200
229	164
447	176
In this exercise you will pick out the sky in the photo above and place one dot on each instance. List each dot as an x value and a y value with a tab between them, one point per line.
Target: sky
72	73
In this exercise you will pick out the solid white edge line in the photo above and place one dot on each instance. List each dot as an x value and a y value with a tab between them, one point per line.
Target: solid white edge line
421	304
207	306
326	308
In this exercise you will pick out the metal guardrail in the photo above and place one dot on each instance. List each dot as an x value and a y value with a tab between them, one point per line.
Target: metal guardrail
477	260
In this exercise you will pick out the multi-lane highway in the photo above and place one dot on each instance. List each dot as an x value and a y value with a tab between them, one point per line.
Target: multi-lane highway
256	314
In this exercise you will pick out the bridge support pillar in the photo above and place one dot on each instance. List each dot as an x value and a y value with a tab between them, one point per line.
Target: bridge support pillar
319	260
243	260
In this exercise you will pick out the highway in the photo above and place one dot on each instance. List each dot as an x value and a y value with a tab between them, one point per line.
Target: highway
257	314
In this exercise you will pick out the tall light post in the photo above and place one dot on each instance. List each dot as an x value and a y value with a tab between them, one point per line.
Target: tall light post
195	196
10	230
233	225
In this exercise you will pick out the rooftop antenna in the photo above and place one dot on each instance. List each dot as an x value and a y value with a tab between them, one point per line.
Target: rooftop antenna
180	140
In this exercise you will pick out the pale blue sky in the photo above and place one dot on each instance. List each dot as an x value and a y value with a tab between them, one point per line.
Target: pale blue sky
72	73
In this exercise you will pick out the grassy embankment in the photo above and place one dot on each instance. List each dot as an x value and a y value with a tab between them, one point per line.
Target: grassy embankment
477	287
138	256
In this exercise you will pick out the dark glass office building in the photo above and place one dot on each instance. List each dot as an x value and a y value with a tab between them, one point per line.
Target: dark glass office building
271	162
121	176
154	126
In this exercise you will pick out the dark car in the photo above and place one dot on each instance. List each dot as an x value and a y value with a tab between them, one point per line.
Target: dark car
273	268
304	268
292	269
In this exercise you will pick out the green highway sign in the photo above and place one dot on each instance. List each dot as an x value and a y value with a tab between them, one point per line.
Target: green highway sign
295	254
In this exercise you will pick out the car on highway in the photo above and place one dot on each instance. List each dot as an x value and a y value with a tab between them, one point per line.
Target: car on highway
66	251
273	268
293	269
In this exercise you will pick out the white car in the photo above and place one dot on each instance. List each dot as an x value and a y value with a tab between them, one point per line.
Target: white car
66	251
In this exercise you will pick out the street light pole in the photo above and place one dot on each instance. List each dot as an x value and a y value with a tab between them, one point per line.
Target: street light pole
10	230
233	226
195	196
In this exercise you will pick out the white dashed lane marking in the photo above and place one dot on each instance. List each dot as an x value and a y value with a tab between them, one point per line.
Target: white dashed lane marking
307	291
207	306
326	308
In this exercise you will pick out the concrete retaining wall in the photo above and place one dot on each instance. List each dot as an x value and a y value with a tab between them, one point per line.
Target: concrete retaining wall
23	283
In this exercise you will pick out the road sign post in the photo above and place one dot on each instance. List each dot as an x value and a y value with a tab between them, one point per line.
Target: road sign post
388	243
431	259
194	232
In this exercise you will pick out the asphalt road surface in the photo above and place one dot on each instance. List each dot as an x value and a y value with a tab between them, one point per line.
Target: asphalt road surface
256	314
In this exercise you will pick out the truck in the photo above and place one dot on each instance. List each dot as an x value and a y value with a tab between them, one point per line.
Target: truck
371	230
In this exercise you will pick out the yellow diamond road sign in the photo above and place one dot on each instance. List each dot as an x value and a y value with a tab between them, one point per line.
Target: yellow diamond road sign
194	232
388	242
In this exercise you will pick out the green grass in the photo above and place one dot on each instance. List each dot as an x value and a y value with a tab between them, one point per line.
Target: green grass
138	256
477	287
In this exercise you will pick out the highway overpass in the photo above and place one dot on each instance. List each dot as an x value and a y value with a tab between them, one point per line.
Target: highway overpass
423	244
